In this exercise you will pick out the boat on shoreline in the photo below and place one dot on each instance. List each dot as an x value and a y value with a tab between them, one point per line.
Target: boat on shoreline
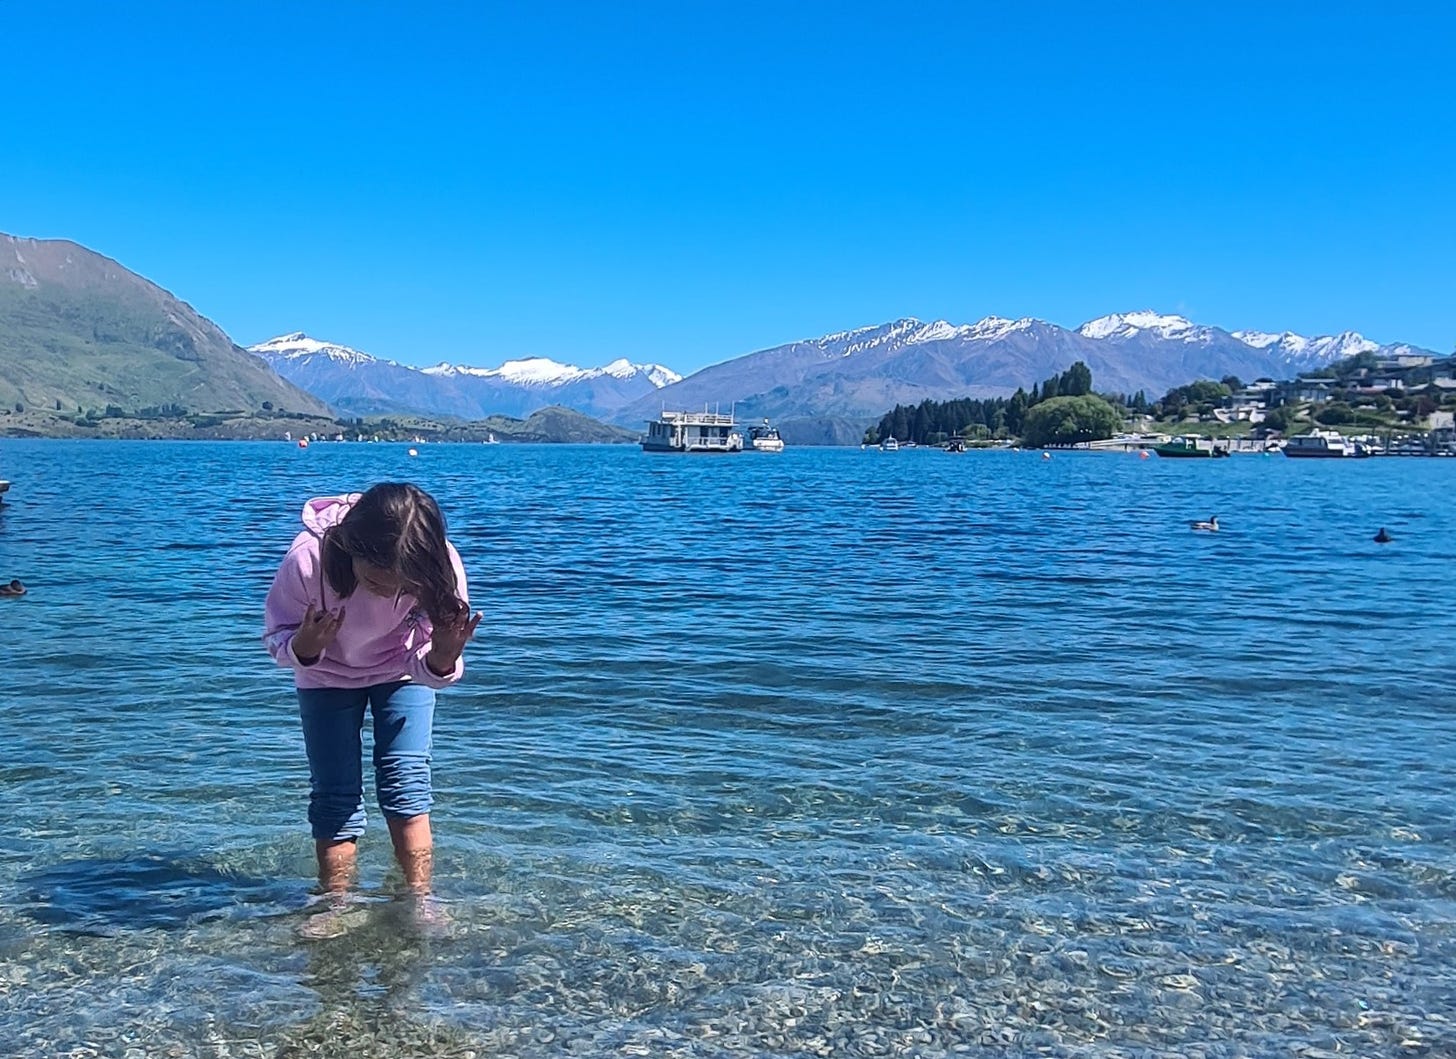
890	444
1324	445
1191	447
692	432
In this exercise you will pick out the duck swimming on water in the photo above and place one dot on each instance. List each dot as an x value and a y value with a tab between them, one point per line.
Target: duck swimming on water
1211	526
1382	537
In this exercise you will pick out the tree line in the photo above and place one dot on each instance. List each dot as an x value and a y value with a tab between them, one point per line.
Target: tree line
1060	410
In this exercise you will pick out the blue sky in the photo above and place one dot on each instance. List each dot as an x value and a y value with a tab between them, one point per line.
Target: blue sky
686	182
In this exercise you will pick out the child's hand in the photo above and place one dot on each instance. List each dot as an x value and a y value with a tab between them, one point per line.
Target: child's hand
318	630
447	641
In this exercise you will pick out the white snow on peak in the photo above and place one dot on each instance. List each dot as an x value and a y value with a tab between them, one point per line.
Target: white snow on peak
622	368
938	331
1125	325
1297	347
538	370
543	371
298	345
528	371
660	376
993	327
1262	339
863	338
1337	347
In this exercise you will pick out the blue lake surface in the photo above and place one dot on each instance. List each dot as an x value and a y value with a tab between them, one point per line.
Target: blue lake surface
825	753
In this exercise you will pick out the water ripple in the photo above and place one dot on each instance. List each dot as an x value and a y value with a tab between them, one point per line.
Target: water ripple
834	753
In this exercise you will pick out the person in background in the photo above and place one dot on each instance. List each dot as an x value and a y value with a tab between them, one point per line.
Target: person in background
15	588
369	610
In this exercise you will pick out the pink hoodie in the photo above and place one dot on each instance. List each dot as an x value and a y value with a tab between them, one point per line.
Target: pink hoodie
381	640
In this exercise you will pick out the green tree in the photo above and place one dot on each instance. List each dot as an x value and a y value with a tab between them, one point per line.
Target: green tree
1070	421
1016	411
1076	380
1280	419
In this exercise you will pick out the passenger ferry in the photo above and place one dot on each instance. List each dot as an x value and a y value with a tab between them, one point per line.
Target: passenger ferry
692	432
1323	444
765	438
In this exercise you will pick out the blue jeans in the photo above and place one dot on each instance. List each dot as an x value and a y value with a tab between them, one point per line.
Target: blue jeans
333	720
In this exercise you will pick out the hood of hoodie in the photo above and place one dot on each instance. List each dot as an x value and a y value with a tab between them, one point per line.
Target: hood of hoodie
325	512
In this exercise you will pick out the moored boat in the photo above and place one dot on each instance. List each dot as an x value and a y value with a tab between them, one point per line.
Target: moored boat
890	444
692	432
1194	447
765	438
1323	444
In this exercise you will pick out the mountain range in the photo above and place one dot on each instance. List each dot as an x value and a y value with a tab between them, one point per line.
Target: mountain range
361	384
826	389
77	330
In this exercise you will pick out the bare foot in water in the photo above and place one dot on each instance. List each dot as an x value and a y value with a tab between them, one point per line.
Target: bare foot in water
429	915
338	916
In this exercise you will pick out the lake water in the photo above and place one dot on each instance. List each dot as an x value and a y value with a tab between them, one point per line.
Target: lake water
826	753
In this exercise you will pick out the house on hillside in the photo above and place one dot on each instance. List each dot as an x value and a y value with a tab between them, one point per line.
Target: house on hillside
1316	390
1404	362
1240	414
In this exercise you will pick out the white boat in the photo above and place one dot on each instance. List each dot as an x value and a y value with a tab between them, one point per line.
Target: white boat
765	438
692	432
1323	444
890	444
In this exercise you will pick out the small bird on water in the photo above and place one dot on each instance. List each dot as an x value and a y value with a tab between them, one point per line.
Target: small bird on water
1211	526
1382	537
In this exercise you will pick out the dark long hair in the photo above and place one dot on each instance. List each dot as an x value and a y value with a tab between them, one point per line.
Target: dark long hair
397	527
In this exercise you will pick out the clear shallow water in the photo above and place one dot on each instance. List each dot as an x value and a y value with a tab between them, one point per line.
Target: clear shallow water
827	753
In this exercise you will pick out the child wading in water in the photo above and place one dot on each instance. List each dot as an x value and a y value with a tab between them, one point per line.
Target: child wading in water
369	609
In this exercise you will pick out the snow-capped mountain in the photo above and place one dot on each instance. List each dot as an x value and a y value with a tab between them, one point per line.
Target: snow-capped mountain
363	384
542	371
858	375
843	379
1129	325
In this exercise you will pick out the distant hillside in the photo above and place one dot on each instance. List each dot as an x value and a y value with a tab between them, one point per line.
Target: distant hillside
858	375
824	390
80	331
367	385
556	424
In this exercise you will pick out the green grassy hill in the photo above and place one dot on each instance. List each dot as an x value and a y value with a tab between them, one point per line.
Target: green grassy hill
79	331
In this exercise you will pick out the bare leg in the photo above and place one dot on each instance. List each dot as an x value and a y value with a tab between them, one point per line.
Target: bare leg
414	849
336	863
